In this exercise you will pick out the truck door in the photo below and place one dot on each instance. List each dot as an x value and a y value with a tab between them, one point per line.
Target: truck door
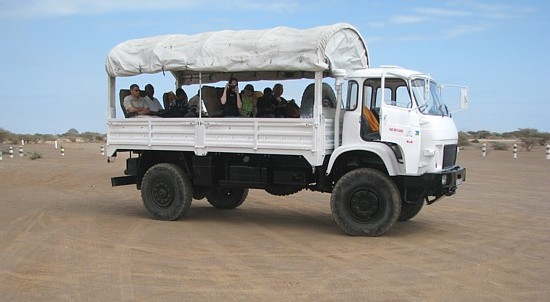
399	120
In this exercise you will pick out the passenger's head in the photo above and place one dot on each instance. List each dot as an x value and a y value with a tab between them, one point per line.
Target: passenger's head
181	95
149	90
249	89
171	96
278	90
232	83
268	93
134	90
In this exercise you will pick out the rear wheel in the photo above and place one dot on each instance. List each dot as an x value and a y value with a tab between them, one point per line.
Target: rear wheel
365	202
226	198
166	191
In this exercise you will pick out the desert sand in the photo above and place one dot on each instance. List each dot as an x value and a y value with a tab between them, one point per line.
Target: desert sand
67	235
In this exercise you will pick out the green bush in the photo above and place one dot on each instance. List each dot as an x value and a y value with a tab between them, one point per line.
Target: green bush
500	146
35	155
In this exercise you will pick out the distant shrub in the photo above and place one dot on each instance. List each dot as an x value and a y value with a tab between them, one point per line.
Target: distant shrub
500	146
35	155
463	139
475	141
528	143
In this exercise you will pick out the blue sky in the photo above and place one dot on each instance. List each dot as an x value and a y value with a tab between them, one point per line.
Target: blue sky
53	51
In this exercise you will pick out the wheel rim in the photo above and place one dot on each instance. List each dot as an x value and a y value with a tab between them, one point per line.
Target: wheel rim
163	194
364	205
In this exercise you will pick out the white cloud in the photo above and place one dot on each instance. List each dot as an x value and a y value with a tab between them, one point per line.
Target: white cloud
407	19
462	30
441	12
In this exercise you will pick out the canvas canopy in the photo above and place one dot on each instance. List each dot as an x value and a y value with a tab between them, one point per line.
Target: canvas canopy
270	54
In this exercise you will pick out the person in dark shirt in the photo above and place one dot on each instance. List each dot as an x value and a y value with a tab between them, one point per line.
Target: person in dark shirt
231	99
265	104
279	102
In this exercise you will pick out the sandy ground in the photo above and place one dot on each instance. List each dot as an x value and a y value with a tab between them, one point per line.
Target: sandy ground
67	235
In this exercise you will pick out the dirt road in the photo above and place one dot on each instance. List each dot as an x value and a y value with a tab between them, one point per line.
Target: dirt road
67	235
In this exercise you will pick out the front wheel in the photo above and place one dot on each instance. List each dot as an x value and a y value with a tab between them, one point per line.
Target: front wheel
166	191
226	198
409	210
365	202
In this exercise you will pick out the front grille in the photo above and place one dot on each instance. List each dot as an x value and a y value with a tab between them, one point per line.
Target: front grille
449	156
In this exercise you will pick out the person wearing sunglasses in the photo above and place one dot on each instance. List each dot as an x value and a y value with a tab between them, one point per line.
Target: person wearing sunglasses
135	103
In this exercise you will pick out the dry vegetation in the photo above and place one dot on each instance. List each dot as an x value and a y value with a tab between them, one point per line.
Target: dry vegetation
526	139
72	135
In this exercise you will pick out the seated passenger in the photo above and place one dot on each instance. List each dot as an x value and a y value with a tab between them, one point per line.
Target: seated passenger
154	105
177	104
279	102
231	99
265	104
134	103
249	101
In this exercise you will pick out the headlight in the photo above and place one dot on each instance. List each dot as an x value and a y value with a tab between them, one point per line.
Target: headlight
444	179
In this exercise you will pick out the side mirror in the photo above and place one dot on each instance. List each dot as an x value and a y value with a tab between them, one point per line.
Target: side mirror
464	99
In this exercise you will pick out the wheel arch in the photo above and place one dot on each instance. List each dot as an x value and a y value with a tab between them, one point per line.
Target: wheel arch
377	154
151	158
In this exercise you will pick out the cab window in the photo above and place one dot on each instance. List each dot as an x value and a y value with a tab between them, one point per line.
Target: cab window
353	91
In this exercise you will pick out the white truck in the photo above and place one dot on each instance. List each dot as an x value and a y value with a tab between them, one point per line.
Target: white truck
382	141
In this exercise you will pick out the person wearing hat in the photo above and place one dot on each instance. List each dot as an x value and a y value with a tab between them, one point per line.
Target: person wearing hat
249	101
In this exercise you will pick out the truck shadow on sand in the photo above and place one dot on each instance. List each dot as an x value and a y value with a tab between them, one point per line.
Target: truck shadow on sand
250	215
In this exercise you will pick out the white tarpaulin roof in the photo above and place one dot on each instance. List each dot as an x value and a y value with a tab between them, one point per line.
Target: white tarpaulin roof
277	53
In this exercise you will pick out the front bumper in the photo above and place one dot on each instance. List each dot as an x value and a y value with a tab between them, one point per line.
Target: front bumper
438	184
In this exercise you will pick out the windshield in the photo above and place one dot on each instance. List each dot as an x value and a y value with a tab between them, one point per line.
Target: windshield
428	96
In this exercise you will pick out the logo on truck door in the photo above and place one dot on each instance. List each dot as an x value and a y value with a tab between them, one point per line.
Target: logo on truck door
398	130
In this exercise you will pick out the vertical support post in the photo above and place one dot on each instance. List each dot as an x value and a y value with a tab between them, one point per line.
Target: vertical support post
318	98
338	82
515	150
22	142
200	95
548	151
484	149
20	151
62	151
55	144
111	109
11	151
102	150
1	151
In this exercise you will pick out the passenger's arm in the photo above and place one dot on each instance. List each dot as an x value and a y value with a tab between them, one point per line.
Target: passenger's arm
223	99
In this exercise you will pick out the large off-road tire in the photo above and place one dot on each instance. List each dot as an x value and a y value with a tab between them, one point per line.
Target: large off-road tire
413	201
306	105
365	202
282	190
166	191
409	210
226	198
